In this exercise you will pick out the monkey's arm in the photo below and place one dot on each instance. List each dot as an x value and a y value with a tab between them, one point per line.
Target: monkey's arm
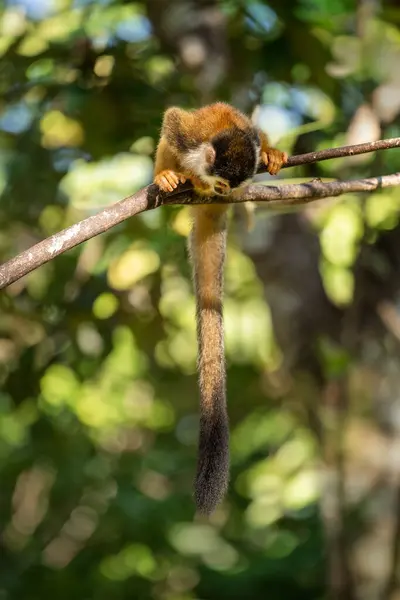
166	169
271	157
180	151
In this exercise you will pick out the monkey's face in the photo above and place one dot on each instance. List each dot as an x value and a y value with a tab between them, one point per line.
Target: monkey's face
236	158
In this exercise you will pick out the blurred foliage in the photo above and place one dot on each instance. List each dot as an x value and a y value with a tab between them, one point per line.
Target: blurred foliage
98	398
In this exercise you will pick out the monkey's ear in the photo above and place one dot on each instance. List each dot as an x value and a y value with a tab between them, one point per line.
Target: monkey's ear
209	155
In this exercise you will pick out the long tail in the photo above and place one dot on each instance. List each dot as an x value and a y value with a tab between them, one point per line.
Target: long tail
208	248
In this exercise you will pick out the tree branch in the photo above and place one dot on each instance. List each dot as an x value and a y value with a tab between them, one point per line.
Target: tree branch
150	197
303	193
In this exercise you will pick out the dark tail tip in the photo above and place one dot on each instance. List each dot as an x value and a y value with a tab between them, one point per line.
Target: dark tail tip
212	476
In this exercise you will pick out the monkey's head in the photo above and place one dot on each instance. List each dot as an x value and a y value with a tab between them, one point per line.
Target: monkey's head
228	160
235	158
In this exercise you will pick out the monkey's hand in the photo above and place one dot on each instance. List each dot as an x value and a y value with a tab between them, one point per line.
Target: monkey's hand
221	187
168	180
274	160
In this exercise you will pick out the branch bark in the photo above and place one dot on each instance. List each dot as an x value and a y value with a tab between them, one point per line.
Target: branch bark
150	197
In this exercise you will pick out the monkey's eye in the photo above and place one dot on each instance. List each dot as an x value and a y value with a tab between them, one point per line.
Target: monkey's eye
221	187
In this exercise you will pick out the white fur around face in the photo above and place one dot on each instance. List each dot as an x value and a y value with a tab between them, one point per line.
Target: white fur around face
196	160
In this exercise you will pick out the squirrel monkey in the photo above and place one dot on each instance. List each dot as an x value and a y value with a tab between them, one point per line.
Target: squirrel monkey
218	149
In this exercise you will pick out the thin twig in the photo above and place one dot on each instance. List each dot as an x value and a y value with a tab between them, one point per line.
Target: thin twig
150	197
311	157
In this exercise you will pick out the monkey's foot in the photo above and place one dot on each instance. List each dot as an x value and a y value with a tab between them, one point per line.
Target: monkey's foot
274	160
168	180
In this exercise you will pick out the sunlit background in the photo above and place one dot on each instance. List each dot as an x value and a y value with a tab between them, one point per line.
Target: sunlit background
98	396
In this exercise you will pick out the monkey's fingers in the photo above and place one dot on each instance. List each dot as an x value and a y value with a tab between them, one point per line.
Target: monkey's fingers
168	180
274	160
221	187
